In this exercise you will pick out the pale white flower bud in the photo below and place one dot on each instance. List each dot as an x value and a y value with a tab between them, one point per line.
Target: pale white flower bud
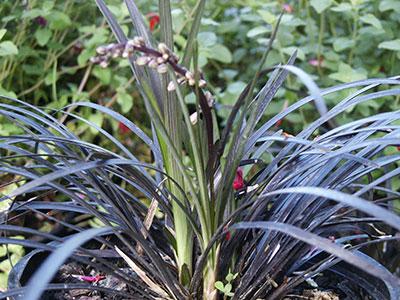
210	98
142	60
202	83
160	60
101	50
130	44
193	118
138	41
110	47
171	86
162	68
163	48
189	75
153	64
104	64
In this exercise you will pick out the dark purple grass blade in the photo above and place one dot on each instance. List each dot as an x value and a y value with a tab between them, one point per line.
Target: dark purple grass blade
327	245
39	280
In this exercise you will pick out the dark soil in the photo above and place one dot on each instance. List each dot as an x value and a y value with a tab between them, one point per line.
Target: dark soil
314	295
68	273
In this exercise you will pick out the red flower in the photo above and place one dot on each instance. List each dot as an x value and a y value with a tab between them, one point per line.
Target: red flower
287	8
227	233
41	21
93	279
78	47
154	19
238	183
398	148
278	123
316	62
123	129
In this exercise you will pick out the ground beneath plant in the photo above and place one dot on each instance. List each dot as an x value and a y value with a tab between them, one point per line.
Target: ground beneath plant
72	272
314	295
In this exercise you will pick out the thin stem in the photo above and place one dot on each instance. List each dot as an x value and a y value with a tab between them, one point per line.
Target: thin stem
354	36
320	41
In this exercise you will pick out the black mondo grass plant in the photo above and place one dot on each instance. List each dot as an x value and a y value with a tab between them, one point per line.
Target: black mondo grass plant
246	212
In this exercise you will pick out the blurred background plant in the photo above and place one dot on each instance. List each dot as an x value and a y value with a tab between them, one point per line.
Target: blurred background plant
53	41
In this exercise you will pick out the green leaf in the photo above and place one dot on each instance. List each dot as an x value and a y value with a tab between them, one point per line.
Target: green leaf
3	281
8	48
347	74
2	33
97	119
3	250
6	266
85	55
393	45
104	74
124	100
342	7
178	19
18	250
207	39
257	31
228	288
48	5
236	87
371	20
341	44
320	5
4	92
386	5
99	37
267	16
357	2
42	36
190	98
33	13
219	285
58	20
290	50
220	53
231	277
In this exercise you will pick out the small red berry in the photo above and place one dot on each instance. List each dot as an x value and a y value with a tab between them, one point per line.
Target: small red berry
78	47
227	233
154	19
93	279
287	8
316	62
123	129
41	21
238	182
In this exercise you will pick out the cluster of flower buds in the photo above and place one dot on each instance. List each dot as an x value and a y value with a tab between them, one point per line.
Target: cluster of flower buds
110	51
158	59
188	78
